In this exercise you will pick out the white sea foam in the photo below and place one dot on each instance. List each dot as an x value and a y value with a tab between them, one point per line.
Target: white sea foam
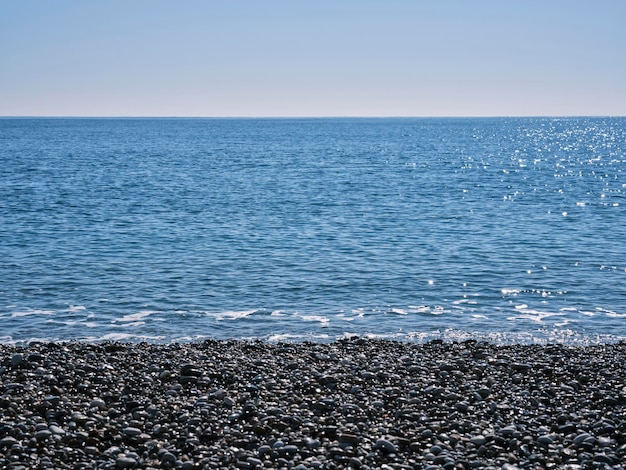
134	317
34	339
384	335
76	308
125	337
616	315
419	309
399	311
318	318
277	338
187	338
233	314
26	313
537	316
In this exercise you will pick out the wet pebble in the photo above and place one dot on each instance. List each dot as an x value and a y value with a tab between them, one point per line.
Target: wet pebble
125	462
16	360
385	445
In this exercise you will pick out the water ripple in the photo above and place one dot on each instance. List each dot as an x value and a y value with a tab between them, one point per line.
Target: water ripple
167	229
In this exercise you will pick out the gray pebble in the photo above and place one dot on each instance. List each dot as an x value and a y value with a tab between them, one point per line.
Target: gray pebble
312	443
385	445
190	370
125	462
264	449
97	403
507	431
436	450
168	458
462	406
130	431
7	441
42	435
254	462
583	438
602	458
546	439
16	360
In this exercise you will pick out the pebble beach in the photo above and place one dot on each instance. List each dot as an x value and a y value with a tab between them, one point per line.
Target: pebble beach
354	403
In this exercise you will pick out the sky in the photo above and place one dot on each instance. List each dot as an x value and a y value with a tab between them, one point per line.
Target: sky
253	58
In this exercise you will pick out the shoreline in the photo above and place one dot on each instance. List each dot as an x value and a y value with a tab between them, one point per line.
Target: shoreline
351	403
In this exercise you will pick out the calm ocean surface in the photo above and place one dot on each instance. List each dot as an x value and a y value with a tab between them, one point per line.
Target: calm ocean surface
506	229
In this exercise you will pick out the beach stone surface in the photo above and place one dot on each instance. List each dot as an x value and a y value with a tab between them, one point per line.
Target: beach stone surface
354	403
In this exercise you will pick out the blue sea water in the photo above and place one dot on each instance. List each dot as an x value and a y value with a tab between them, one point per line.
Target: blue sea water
505	229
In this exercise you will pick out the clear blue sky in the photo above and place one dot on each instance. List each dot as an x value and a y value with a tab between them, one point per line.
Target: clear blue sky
312	57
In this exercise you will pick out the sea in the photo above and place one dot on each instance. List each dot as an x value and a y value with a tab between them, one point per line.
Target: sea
509	230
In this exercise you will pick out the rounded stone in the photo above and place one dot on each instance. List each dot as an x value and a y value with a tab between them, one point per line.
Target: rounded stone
42	435
167	458
385	445
97	403
462	406
436	450
130	431
264	449
54	429
7	441
125	462
581	438
278	444
16	360
190	370
254	462
602	458
545	439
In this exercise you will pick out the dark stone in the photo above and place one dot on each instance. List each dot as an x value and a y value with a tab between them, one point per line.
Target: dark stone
190	370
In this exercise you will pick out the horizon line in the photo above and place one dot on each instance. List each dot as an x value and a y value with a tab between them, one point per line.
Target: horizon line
77	116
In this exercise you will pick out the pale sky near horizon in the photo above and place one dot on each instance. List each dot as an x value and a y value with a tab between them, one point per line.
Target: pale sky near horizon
312	58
